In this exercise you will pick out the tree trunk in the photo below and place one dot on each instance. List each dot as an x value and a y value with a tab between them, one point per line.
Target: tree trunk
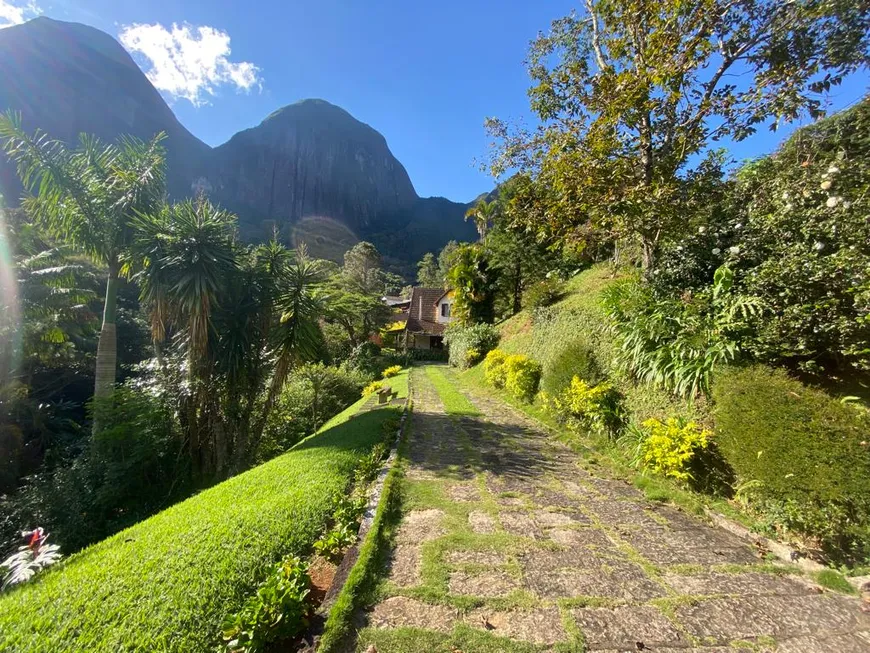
107	348
517	288
648	250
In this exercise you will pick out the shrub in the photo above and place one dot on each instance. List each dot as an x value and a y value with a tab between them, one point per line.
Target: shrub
493	368
312	394
575	359
543	293
668	448
596	408
522	375
479	338
676	343
279	609
167	582
472	357
805	451
392	371
372	388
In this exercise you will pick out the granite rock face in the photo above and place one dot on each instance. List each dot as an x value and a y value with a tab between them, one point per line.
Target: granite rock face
67	79
311	171
311	158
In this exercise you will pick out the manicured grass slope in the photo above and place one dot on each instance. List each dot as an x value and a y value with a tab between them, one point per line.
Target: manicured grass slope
166	583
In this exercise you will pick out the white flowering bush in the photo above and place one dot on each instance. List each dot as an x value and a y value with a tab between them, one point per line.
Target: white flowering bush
794	228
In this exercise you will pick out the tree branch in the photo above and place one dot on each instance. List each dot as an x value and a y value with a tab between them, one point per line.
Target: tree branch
596	36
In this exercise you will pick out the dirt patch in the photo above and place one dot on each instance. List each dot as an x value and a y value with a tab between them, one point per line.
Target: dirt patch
321	571
403	612
405	565
623	628
548	519
855	643
488	584
781	617
535	626
421	526
625	582
748	583
481	522
585	538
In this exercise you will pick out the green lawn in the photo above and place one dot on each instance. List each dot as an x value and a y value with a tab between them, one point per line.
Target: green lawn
166	583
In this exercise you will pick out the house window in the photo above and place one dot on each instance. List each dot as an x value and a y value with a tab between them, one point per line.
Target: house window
445	310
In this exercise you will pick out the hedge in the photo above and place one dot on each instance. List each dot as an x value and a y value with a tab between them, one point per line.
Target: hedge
805	448
166	583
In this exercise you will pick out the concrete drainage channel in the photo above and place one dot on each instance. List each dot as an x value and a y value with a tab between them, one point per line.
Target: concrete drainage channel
352	554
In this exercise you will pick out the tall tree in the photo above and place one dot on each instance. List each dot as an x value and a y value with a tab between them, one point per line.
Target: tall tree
428	273
446	257
87	197
632	93
483	213
362	268
514	251
242	320
473	281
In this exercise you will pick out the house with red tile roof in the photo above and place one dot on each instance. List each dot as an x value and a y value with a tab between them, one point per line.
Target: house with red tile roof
429	313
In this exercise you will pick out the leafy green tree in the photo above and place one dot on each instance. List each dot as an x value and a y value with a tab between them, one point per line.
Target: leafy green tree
445	258
513	251
632	93
362	269
473	280
87	197
355	293
428	273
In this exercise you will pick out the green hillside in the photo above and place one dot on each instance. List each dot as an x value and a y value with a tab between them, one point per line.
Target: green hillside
166	583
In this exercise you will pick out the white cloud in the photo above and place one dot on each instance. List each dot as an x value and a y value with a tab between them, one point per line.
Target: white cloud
189	62
15	13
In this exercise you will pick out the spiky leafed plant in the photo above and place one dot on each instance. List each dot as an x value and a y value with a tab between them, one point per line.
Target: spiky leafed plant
87	197
187	255
483	214
240	318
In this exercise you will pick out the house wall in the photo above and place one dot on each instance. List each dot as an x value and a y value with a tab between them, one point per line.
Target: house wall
440	318
421	342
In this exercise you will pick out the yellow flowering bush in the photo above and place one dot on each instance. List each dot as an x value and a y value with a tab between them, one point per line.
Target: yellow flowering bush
522	375
493	368
668	447
586	406
392	371
372	387
472	357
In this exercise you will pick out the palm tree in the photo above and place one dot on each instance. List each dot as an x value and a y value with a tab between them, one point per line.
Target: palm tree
187	256
482	213
86	198
242	319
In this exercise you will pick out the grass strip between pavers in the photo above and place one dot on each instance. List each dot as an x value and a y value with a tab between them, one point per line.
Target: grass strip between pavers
455	403
371	562
166	583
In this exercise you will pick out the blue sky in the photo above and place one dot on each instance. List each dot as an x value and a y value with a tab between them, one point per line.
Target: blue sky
424	74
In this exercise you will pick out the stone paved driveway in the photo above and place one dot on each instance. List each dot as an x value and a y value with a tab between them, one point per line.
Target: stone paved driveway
507	544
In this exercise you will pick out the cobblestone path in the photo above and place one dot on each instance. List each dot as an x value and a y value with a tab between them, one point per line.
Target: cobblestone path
506	544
